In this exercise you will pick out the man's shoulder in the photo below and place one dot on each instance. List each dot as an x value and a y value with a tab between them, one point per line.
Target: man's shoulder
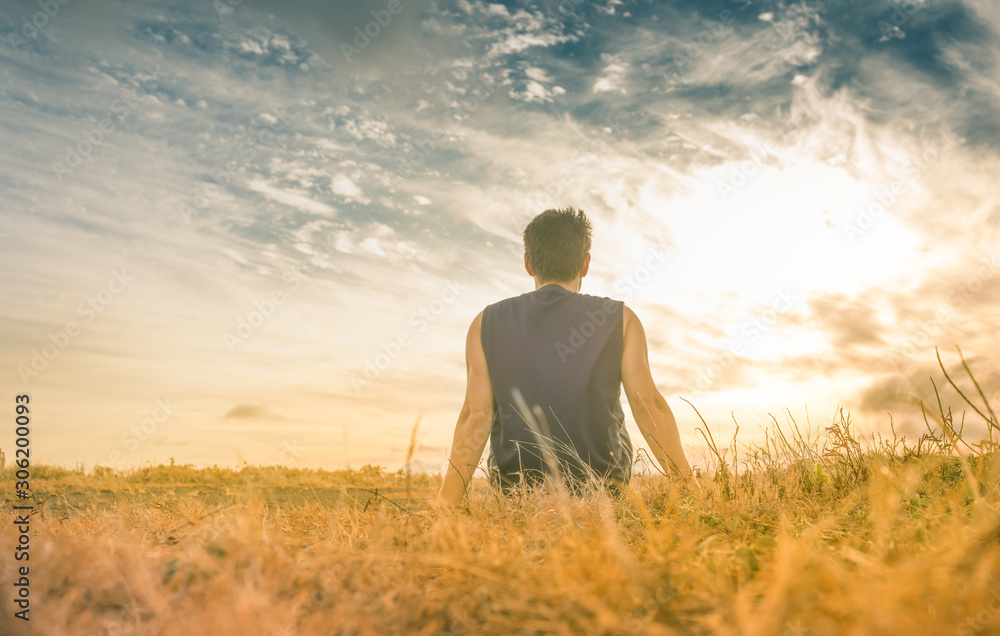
606	303
601	298
506	301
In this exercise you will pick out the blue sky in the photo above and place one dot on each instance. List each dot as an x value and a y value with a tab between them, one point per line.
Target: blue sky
226	234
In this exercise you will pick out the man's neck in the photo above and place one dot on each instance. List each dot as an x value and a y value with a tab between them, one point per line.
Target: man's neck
573	285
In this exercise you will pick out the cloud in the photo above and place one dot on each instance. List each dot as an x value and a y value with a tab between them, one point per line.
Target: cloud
849	322
914	393
613	75
346	188
248	412
292	198
636	112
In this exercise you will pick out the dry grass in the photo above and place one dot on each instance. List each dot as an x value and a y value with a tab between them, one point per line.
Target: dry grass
832	535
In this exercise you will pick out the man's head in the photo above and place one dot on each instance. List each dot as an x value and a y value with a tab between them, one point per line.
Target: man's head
557	246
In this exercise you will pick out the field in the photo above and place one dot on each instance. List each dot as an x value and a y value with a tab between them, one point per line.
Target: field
803	534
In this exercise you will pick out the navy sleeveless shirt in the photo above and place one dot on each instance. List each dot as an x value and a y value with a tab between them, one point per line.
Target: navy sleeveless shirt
563	351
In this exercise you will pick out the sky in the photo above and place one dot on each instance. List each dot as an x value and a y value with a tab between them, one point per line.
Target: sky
258	231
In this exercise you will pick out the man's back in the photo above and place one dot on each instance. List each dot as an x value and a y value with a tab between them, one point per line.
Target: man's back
562	350
569	355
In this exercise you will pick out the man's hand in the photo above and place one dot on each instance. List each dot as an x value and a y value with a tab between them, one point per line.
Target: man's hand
474	421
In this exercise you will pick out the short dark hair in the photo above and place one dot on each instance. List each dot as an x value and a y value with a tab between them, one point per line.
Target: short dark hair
556	242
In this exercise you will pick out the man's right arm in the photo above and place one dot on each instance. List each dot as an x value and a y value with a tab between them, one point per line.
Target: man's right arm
651	412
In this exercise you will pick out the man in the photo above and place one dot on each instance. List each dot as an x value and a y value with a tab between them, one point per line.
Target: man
564	355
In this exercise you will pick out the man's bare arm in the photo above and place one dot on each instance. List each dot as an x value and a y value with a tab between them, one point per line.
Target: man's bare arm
474	421
649	408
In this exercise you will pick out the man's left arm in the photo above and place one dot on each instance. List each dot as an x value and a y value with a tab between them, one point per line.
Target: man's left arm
474	421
